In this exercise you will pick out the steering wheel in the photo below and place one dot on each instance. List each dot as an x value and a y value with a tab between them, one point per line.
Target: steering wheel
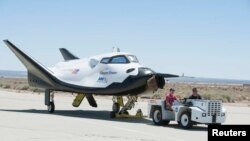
183	101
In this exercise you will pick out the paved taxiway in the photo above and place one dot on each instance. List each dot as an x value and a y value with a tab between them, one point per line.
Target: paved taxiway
24	117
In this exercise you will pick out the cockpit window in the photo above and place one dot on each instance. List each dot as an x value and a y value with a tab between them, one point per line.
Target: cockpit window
133	58
119	60
105	60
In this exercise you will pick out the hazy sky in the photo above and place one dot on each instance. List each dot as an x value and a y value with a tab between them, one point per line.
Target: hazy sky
199	38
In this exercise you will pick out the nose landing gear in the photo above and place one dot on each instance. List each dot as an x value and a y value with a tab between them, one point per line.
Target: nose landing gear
123	113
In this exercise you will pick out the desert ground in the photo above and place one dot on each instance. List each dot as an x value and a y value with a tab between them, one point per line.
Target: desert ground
24	116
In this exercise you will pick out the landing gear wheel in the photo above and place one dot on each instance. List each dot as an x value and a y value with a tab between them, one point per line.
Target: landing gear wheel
124	112
185	121
51	107
157	117
112	114
116	108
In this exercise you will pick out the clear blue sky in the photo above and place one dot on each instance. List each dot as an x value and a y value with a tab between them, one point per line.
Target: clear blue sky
199	38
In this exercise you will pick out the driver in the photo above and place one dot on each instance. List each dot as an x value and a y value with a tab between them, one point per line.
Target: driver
170	98
195	94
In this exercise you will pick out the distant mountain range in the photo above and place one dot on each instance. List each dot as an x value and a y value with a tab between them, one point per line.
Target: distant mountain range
201	80
11	73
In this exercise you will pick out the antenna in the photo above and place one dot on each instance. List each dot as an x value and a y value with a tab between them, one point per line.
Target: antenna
115	49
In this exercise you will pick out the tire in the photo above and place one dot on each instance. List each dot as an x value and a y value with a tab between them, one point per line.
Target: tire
217	124
51	107
157	117
166	122
185	120
116	108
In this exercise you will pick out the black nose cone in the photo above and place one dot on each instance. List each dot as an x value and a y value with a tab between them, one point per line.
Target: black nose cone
160	81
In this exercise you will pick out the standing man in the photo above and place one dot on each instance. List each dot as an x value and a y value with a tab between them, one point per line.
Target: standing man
195	94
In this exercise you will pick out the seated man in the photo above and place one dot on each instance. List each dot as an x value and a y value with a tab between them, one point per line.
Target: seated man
170	98
195	94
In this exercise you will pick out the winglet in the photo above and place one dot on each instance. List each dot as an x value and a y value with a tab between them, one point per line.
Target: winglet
67	55
37	73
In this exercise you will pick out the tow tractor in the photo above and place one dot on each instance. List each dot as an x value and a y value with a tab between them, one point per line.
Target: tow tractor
187	112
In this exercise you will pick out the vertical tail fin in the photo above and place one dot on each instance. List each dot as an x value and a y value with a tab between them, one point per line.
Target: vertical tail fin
67	55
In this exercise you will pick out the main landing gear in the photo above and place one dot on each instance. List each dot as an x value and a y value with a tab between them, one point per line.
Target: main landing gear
49	100
123	113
